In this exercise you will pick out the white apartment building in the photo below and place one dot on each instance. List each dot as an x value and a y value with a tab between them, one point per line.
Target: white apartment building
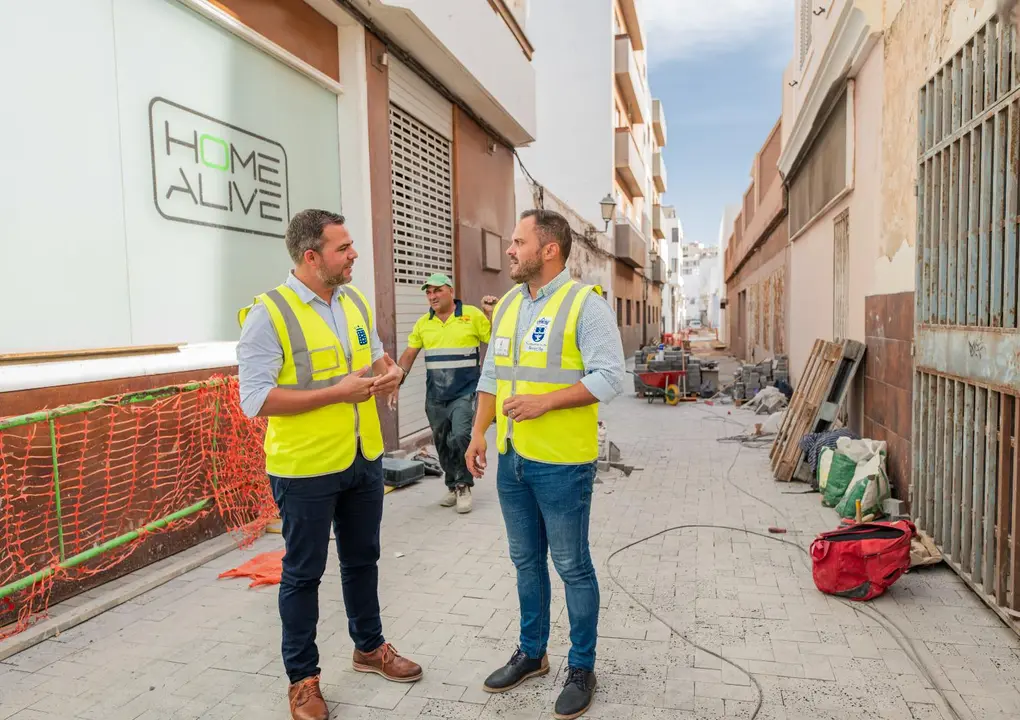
672	292
600	134
701	276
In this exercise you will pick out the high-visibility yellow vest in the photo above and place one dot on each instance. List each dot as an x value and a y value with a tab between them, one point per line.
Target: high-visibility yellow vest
321	441
547	360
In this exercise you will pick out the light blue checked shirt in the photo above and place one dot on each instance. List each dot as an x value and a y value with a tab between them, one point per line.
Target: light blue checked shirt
597	337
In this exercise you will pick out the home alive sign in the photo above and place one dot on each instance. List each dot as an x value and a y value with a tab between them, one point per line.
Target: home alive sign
209	172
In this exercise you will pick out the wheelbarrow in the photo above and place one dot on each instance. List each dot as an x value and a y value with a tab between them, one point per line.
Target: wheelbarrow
665	385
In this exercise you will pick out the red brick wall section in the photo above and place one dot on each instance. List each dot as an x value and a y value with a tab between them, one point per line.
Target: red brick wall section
484	201
888	382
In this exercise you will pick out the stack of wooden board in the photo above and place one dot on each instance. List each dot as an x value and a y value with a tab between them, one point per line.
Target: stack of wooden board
819	395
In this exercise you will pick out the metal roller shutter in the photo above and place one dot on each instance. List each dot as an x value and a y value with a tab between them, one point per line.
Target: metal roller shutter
422	184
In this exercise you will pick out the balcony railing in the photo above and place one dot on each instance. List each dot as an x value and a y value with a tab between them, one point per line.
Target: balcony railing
659	172
659	123
629	79
657	228
629	167
658	274
633	20
630	245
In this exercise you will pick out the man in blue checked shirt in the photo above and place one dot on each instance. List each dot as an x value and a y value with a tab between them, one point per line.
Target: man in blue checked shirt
555	354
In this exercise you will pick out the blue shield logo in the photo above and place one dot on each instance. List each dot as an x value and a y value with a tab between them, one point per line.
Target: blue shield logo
538	334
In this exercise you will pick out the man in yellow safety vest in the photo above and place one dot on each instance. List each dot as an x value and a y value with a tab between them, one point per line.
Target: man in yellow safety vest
310	360
451	334
555	354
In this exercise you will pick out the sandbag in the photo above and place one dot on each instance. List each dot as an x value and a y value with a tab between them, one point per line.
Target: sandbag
824	463
860	562
841	474
870	484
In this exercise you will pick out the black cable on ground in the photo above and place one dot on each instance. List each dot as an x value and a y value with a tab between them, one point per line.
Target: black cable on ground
884	621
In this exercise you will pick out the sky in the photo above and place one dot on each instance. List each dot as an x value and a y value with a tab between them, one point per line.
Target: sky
717	66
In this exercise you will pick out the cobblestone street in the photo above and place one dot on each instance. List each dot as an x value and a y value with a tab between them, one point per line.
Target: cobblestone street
199	647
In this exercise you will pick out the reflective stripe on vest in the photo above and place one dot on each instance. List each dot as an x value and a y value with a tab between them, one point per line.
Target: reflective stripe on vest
449	358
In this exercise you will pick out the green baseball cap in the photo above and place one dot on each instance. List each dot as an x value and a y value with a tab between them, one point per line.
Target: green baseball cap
437	280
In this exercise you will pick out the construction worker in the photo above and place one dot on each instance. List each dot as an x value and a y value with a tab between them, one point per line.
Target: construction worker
451	334
310	360
555	354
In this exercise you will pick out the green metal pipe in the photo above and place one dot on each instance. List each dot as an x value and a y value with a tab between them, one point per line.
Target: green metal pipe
56	487
142	396
92	553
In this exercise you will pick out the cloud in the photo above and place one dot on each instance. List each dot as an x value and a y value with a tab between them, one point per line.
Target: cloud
680	28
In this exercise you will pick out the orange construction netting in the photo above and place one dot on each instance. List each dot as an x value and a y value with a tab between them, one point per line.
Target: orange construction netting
82	487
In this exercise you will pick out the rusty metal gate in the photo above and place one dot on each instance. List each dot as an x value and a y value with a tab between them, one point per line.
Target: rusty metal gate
965	487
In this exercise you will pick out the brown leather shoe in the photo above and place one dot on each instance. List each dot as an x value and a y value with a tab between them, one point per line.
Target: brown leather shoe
386	661
306	701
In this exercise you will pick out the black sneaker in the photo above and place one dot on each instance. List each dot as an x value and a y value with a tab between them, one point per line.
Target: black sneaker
519	669
577	695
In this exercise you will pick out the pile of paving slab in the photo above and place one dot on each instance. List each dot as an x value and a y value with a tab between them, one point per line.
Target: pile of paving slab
750	379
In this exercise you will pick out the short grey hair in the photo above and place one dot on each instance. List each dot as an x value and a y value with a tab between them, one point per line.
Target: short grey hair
551	227
305	232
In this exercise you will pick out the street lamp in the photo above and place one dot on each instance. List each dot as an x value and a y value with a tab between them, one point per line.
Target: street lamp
608	204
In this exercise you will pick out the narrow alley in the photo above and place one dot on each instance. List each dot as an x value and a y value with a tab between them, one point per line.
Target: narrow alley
199	647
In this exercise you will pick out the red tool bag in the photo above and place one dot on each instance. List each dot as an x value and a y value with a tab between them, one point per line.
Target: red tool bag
860	562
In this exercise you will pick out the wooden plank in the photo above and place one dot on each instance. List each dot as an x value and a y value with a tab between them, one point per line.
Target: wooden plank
1006	411
799	407
991	486
802	424
796	402
1014	534
845	368
57	355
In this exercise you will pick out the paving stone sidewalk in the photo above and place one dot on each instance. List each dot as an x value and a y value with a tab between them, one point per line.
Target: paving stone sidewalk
198	647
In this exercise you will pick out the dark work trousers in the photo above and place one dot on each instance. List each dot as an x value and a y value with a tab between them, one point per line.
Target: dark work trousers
352	503
451	431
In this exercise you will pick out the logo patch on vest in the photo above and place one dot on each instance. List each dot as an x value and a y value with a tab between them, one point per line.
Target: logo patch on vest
538	339
362	335
502	347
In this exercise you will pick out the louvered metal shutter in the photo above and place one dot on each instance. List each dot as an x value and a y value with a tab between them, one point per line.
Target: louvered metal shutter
422	184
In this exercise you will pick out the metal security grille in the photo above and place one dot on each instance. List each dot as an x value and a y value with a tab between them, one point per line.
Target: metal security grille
966	489
422	183
422	200
841	275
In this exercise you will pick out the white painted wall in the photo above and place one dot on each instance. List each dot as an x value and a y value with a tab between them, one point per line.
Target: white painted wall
573	152
83	237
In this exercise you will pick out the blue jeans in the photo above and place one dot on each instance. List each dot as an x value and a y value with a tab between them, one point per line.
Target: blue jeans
546	509
352	503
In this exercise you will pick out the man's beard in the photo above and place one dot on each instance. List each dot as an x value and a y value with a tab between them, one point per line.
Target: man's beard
330	280
526	271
